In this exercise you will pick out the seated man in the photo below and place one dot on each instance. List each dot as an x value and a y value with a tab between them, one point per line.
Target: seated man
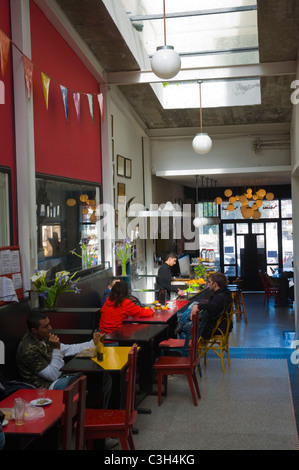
212	309
108	290
164	278
40	356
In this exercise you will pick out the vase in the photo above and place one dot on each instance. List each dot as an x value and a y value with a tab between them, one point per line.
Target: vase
124	269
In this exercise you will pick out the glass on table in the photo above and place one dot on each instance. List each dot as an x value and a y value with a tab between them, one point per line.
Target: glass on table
19	409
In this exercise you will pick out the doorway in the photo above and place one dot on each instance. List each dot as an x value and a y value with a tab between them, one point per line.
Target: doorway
249	247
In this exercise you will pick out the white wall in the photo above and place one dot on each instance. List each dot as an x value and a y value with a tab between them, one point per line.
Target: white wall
227	152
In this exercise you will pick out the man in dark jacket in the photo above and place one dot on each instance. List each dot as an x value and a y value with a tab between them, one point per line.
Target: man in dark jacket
218	302
164	278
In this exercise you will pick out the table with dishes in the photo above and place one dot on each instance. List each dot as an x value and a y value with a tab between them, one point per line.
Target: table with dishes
40	417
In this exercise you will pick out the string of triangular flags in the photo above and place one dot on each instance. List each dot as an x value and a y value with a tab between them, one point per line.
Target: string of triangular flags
46	80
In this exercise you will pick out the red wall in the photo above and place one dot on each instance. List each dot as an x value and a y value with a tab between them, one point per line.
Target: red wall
63	147
7	138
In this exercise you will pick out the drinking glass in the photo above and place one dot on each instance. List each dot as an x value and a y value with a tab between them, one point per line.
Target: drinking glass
19	411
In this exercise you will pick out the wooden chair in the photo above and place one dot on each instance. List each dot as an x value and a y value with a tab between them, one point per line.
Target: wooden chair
239	306
271	289
219	339
74	398
177	345
171	365
100	424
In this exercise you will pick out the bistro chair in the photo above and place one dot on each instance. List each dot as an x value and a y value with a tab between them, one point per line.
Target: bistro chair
74	398
100	424
173	365
219	338
239	306
178	346
271	289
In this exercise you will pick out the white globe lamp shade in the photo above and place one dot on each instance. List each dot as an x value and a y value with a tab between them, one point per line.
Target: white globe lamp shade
197	222
202	143
166	63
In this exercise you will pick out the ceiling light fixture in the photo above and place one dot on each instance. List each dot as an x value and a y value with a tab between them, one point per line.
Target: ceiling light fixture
166	63
201	143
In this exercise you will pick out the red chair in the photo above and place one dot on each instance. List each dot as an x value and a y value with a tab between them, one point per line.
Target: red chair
180	346
171	365
100	424
271	289
74	398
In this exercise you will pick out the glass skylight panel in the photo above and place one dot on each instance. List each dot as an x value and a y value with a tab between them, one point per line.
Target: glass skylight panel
206	33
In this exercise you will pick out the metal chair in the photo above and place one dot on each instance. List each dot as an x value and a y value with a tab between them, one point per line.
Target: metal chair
219	340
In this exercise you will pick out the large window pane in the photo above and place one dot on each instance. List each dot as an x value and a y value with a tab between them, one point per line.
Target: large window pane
272	243
286	208
287	245
65	217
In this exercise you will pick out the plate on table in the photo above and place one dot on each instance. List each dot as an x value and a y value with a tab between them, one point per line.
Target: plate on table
41	402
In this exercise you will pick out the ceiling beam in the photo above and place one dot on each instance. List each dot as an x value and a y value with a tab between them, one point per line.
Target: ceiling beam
206	73
184	14
225	171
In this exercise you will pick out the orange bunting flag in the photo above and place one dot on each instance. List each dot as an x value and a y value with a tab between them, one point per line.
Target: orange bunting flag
101	103
46	85
28	74
4	50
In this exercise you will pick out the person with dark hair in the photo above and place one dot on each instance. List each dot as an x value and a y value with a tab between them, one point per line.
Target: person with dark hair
216	305
108	290
118	306
40	356
164	278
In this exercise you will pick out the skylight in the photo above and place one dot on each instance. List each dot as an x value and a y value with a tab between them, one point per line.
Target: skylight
206	33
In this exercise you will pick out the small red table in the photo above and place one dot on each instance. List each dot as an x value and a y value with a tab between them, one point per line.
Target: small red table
37	427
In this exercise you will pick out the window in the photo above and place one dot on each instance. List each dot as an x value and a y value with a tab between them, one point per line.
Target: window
66	216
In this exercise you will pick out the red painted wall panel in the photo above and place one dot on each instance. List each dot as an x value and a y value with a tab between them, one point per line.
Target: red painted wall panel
66	148
7	137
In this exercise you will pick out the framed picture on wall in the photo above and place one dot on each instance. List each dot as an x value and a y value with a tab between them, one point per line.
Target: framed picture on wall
120	165
128	168
121	189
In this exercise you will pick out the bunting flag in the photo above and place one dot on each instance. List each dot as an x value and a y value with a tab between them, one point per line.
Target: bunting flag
90	102
4	50
65	100
46	86
76	97
101	103
28	74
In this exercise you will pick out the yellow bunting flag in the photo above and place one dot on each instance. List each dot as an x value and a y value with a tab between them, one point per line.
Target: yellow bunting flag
4	50
46	85
28	74
101	103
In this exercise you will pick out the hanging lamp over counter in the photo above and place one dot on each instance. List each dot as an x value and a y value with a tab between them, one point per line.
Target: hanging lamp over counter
201	143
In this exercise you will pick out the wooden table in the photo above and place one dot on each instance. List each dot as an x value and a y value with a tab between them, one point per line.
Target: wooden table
20	436
147	336
115	362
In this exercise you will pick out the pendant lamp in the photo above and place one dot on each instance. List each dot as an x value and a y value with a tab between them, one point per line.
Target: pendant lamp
201	143
166	62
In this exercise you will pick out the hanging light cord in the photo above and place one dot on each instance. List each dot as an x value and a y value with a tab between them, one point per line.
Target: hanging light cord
200	112
164	22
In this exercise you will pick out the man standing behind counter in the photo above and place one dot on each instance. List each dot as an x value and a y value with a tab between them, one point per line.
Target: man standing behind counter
164	277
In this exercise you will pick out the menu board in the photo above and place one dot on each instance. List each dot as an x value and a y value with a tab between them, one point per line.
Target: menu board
11	284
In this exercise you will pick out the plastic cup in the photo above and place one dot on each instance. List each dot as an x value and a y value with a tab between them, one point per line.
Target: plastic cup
41	395
19	408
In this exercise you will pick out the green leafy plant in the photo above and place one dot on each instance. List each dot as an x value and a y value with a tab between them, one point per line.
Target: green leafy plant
87	255
123	252
63	283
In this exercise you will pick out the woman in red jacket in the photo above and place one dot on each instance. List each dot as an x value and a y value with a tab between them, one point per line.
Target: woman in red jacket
118	306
